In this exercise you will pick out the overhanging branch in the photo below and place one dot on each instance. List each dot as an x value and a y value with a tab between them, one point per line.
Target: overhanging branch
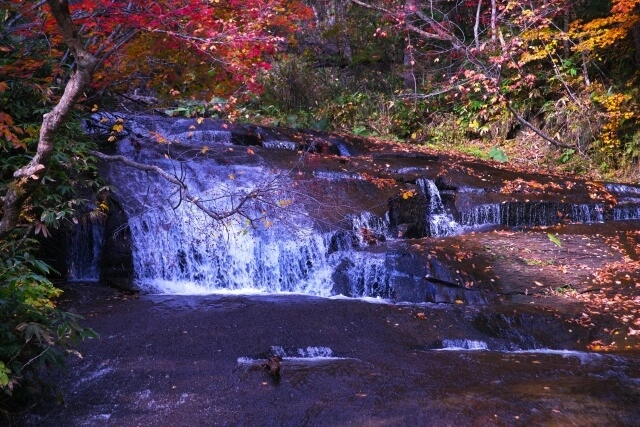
239	209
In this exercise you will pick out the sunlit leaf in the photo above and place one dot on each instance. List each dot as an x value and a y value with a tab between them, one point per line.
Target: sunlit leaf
555	240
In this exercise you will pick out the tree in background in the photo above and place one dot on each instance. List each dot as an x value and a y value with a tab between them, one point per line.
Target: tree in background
558	77
550	64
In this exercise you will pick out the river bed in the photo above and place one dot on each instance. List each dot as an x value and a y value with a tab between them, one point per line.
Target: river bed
196	360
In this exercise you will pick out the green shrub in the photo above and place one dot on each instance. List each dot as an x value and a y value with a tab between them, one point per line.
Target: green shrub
34	333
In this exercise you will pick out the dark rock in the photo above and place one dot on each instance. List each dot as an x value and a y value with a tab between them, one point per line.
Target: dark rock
273	366
341	279
408	289
407	216
116	264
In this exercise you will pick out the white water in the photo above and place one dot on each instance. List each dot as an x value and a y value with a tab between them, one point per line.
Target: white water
306	354
463	345
476	345
184	252
530	214
441	223
626	213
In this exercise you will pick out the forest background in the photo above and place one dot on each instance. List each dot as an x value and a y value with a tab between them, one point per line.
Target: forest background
548	85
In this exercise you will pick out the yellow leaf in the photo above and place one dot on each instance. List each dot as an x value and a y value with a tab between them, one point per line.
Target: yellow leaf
204	150
200	120
94	108
111	138
407	194
232	176
117	128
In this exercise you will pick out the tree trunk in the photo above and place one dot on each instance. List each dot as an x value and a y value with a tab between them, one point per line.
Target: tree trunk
28	178
494	18
476	26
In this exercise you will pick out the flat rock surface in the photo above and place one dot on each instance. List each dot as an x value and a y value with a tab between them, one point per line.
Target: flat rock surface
196	360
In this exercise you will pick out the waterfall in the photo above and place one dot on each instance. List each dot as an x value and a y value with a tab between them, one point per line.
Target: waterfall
182	251
311	233
85	248
367	275
440	222
530	214
369	228
626	213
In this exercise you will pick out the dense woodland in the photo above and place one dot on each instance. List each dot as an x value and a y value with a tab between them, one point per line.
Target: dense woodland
541	84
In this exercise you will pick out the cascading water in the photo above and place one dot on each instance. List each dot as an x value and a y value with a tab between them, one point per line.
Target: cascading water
84	251
626	213
182	251
440	222
517	214
177	248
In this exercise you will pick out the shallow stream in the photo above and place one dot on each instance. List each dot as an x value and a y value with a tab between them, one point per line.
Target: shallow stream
196	360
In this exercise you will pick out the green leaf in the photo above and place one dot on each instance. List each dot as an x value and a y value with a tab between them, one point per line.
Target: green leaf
554	240
321	125
498	155
4	379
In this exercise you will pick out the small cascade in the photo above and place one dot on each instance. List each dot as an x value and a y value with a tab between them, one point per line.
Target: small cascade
369	276
587	214
335	176
203	136
440	222
84	251
463	344
361	274
282	144
623	189
626	213
480	215
530	214
183	252
368	228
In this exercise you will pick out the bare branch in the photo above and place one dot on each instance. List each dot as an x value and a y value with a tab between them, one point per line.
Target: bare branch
536	130
239	209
